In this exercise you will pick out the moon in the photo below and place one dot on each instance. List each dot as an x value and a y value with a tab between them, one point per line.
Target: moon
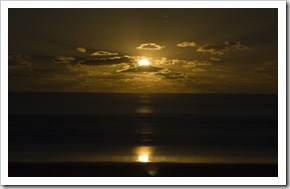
143	62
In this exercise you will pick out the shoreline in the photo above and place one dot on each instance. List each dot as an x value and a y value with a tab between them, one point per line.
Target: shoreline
135	169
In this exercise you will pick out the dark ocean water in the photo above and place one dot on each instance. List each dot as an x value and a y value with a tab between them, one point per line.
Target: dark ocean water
195	128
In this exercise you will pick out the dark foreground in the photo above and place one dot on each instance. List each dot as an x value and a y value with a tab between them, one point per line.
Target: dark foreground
197	135
141	170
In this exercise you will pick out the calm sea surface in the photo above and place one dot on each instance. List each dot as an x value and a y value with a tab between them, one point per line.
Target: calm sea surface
196	128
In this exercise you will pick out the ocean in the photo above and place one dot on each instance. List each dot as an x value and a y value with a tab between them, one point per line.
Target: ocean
152	128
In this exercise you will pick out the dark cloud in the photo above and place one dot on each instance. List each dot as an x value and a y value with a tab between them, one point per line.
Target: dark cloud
153	71
168	74
103	53
63	59
124	69
150	47
18	59
220	49
236	45
106	60
128	68
186	44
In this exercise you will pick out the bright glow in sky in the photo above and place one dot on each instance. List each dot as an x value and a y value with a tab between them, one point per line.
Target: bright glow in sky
143	62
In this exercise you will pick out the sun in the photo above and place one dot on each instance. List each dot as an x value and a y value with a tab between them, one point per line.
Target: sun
143	62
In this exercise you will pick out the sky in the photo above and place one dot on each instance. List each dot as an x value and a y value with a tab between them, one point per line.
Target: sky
189	50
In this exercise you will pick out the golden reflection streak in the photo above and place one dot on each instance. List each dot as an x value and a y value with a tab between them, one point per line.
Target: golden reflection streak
144	110
143	158
144	153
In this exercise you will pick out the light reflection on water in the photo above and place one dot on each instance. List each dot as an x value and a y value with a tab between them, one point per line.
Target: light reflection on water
145	132
149	154
146	137
145	128
144	110
144	105
144	153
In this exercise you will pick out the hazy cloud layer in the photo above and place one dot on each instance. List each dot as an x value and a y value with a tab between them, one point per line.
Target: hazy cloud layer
220	49
105	74
168	74
150	47
195	63
270	67
214	59
63	59
140	69
106	60
217	49
18	59
186	44
111	72
103	53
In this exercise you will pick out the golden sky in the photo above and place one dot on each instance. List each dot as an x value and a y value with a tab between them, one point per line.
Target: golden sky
188	50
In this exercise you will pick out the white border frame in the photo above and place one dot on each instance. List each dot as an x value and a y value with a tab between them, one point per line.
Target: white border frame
280	180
